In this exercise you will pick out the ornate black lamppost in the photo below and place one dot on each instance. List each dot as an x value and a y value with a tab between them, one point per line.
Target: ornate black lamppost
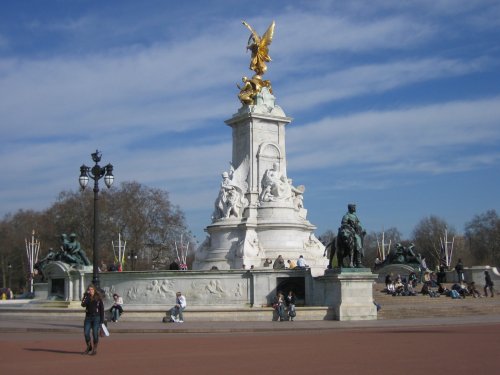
96	173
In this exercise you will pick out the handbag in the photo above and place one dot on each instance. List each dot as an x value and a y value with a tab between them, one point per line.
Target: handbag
103	331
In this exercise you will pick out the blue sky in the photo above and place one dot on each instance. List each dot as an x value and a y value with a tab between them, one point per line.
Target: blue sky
396	104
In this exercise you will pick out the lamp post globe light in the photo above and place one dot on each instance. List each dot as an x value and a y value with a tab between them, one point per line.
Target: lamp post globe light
96	173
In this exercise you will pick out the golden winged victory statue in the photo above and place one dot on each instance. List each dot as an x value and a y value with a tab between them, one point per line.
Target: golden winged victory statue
259	46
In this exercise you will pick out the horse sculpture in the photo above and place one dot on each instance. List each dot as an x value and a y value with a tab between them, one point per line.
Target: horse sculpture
344	246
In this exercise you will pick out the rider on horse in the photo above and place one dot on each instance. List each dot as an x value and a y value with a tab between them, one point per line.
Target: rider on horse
351	233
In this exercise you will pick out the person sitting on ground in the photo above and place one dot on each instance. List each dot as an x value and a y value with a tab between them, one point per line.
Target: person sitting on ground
117	308
427	278
443	290
388	282
461	289
398	287
454	294
390	288
301	263
433	280
412	279
409	290
279	263
471	288
427	290
291	264
176	311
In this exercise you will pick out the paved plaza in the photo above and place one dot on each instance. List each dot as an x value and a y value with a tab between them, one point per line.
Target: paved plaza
460	345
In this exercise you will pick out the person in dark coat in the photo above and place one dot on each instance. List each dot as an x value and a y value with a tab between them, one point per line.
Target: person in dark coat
290	305
94	317
279	263
488	284
459	267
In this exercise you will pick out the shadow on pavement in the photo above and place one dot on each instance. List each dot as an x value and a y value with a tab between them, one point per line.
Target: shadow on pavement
52	351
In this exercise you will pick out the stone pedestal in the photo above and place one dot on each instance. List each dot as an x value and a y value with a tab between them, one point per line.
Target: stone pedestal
66	282
259	213
349	292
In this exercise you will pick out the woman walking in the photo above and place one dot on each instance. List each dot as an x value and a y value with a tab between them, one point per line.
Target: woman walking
94	317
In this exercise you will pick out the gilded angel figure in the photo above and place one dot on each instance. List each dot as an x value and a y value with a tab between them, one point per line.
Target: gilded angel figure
260	48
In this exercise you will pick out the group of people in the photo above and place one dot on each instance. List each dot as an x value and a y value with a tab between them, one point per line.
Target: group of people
401	286
279	263
433	287
94	321
285	306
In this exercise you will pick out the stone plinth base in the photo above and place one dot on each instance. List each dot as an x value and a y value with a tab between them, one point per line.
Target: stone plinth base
337	295
349	292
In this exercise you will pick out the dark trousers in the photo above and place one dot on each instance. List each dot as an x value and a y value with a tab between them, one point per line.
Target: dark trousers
486	287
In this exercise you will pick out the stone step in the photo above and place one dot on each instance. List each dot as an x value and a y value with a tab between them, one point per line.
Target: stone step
191	314
401	307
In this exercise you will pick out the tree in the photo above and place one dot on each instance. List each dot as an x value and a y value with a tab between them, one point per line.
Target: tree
327	237
144	216
483	235
372	244
427	237
150	223
13	233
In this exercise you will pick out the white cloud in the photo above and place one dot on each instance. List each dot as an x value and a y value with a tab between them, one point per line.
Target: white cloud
411	138
373	79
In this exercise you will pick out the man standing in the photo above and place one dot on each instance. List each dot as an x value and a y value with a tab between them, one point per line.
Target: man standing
176	311
423	268
460	270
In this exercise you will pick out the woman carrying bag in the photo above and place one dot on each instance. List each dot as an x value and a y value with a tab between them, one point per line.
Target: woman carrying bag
94	317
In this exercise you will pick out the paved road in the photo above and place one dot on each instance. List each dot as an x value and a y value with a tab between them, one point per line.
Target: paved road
464	345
